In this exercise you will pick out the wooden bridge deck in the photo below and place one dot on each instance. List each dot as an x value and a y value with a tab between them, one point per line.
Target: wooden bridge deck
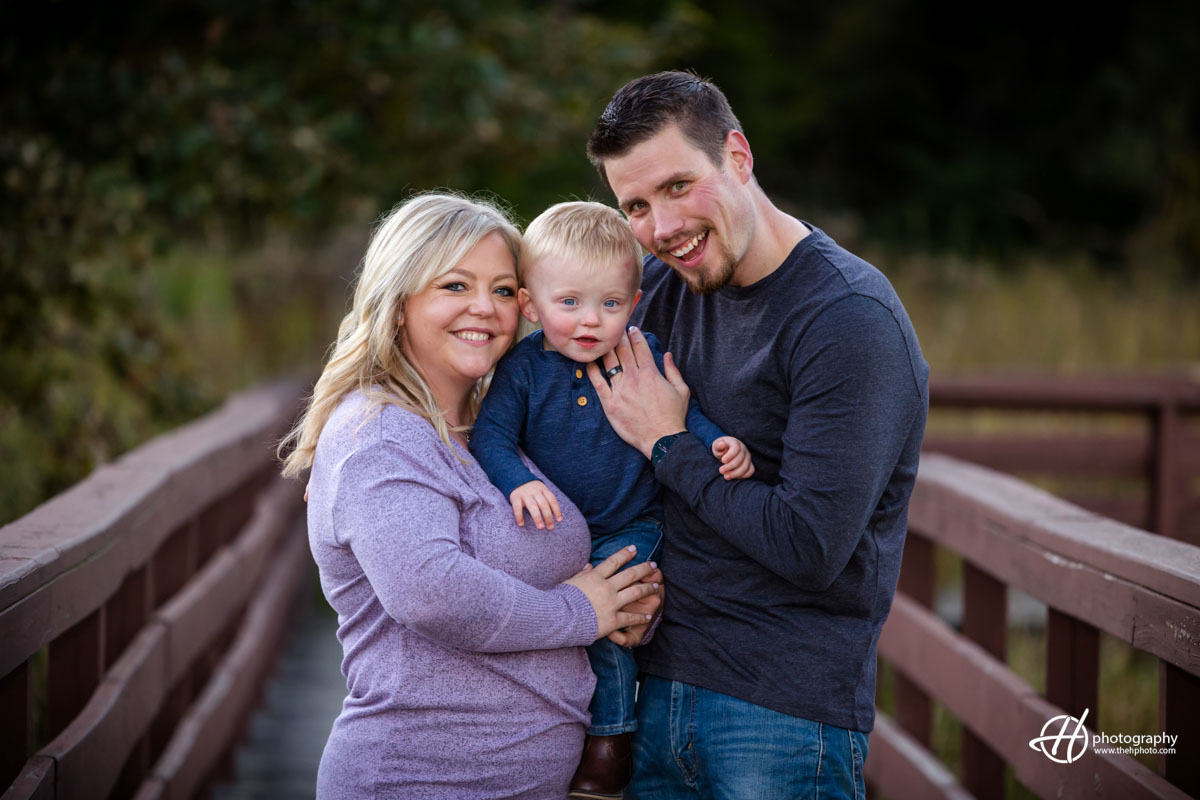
278	758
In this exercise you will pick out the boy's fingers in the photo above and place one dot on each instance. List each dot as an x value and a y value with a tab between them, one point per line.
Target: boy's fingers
535	514
544	508
517	513
555	507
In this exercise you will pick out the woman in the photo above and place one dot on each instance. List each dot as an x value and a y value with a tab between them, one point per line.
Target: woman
463	633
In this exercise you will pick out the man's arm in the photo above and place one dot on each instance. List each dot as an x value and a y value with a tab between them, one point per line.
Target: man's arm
854	402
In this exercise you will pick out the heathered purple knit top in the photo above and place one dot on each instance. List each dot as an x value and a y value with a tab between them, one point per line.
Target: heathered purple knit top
463	650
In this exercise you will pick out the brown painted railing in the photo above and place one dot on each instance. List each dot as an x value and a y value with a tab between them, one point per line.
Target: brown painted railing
139	609
1094	574
1140	462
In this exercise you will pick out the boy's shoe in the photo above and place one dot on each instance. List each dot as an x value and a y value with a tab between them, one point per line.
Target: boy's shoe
605	768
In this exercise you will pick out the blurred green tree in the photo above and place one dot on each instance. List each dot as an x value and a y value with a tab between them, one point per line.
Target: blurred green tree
133	130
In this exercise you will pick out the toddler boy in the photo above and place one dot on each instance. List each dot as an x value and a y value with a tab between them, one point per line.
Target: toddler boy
580	270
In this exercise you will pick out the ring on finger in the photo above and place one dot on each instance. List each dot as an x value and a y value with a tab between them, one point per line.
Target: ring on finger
613	371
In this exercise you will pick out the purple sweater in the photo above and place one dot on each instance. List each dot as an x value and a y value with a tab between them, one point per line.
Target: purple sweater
463	650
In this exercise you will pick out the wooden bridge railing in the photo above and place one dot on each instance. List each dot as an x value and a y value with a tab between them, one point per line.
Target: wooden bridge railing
1138	461
139	609
1094	574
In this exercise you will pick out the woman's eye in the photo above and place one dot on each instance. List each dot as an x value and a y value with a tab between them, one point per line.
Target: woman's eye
455	286
506	291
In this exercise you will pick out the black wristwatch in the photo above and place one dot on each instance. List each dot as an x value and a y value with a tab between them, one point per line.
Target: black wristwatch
662	446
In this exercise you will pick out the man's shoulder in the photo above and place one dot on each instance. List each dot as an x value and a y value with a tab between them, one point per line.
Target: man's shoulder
657	276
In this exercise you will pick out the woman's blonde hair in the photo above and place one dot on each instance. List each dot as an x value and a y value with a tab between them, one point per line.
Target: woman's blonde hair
417	241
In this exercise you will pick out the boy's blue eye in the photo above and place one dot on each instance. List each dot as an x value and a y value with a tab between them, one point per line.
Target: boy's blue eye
570	301
610	303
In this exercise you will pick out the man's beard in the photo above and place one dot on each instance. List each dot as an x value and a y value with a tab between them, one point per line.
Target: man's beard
708	283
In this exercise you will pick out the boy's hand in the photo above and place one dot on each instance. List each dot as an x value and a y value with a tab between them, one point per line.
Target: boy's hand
735	458
539	501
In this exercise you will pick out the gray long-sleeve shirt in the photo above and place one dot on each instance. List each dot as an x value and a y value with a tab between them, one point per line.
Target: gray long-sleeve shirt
779	585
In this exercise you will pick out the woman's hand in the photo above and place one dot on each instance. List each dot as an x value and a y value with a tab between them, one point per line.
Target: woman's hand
650	604
610	591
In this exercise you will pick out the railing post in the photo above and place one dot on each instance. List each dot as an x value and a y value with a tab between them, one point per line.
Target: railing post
76	662
1164	511
1072	664
16	722
1178	699
914	711
985	622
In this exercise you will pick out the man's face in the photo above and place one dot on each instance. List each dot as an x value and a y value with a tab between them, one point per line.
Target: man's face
695	216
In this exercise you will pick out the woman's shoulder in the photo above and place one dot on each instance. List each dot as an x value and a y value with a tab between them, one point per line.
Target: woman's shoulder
362	423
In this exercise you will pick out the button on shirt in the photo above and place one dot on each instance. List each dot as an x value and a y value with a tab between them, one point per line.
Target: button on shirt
544	403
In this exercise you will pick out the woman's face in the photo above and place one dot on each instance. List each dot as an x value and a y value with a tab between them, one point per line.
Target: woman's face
457	329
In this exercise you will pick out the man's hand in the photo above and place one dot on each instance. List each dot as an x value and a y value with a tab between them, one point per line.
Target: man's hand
735	458
641	405
539	501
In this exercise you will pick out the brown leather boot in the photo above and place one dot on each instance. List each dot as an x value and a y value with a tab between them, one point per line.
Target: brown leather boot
605	768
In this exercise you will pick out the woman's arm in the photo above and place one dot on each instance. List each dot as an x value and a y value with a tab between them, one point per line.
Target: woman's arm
398	515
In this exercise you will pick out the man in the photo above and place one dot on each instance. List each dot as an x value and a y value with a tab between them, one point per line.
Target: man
760	680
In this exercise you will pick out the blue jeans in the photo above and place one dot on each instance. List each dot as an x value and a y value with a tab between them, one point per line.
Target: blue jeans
616	671
695	743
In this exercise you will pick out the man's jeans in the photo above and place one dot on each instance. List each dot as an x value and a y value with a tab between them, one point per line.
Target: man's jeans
695	743
616	671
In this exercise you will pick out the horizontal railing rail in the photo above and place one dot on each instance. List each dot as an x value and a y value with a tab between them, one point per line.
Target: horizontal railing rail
137	609
1144	471
1093	574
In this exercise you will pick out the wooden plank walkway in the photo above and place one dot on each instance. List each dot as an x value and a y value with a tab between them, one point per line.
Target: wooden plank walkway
278	758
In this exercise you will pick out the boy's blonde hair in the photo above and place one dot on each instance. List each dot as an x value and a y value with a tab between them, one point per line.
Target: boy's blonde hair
592	235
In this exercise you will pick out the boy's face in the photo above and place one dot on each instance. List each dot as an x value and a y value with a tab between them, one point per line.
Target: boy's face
583	312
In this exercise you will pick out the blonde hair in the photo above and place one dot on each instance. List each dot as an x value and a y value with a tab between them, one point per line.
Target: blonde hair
592	235
417	241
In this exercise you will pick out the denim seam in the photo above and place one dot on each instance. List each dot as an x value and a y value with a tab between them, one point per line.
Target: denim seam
613	730
856	761
820	760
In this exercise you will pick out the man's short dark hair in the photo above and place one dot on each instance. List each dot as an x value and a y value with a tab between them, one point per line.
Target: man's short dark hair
646	105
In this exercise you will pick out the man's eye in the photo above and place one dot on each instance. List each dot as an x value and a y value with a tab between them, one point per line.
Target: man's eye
634	208
678	186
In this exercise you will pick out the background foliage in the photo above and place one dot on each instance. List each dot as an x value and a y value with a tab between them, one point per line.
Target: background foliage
186	186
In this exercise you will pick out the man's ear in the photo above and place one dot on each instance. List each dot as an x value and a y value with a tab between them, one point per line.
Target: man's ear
526	304
738	156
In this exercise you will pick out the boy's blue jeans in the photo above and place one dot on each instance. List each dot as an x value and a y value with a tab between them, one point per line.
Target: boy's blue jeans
696	744
616	671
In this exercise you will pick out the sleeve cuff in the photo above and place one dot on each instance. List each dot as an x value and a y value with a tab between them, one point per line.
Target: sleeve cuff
686	468
560	617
